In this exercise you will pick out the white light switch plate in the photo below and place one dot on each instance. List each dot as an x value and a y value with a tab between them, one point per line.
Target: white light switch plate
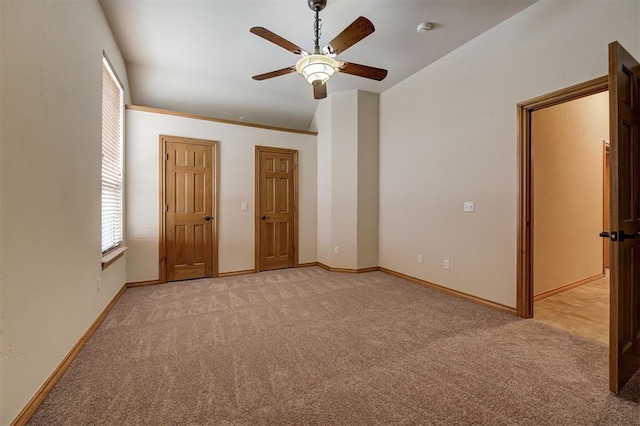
245	207
469	206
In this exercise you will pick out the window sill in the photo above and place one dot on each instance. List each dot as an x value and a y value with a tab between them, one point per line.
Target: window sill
110	258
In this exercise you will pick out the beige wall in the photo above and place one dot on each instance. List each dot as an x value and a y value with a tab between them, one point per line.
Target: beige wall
368	104
347	123
236	173
448	135
567	152
344	179
50	167
322	120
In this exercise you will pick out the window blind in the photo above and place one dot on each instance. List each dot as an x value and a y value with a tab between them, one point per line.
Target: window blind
112	141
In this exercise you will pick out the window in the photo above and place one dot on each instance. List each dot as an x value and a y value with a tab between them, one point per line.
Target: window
112	141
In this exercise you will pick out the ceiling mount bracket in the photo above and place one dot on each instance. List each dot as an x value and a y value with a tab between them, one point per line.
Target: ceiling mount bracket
317	5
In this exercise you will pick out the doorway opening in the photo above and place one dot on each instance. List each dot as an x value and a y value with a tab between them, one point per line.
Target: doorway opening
569	202
530	267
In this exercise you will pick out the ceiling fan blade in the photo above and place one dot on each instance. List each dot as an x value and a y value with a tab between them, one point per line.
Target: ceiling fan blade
276	39
277	73
362	70
359	29
320	91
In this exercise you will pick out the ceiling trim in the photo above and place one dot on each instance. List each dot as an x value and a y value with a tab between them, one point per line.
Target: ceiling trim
217	120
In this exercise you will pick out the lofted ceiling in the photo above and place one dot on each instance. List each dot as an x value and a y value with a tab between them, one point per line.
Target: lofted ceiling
198	56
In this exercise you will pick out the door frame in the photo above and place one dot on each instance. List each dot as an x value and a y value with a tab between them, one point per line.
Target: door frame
162	255
606	208
524	279
258	150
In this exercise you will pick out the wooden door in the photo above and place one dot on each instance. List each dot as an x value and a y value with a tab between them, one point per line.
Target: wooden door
276	217
607	204
624	95
189	208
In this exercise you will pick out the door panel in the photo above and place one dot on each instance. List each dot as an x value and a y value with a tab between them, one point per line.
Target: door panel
189	202
624	347
276	208
607	204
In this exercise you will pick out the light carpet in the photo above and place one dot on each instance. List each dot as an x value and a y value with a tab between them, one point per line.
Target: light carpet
307	346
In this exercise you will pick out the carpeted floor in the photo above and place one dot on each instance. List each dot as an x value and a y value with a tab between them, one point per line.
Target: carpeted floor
307	346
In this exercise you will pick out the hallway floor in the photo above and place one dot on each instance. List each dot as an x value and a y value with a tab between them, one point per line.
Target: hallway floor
582	310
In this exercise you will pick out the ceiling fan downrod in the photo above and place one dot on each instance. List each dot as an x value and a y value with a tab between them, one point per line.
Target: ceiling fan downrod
317	6
317	26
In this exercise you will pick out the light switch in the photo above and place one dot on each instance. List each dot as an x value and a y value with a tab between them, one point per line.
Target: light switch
245	207
469	206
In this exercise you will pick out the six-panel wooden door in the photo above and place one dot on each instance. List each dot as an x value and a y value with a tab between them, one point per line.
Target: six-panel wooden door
189	208
624	98
276	193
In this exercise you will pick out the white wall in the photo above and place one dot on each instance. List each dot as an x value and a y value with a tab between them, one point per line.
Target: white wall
347	123
448	135
344	179
2	338
51	85
236	144
322	120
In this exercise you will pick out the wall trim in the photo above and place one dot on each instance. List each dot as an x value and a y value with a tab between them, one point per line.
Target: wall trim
235	273
348	270
456	293
32	406
143	283
568	287
307	265
217	120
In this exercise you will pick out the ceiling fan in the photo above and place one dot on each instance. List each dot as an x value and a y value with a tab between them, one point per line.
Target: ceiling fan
320	66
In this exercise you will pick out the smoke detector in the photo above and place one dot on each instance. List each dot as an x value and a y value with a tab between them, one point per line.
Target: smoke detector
424	27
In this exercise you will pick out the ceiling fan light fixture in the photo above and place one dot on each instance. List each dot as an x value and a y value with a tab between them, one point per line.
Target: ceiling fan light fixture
316	69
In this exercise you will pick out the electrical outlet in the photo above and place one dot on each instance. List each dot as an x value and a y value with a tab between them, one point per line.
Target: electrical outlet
419	258
98	285
469	206
336	250
446	264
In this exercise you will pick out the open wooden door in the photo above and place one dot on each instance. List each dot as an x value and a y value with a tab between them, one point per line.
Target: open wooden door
624	93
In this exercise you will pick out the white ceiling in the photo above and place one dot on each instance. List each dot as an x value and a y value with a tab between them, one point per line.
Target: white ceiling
199	56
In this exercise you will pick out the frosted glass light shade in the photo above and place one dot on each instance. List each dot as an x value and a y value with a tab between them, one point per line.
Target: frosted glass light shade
316	69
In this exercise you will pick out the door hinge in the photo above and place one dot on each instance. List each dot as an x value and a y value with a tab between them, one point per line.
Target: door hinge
166	156
166	207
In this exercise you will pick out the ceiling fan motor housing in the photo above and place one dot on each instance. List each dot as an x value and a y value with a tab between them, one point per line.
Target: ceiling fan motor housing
317	5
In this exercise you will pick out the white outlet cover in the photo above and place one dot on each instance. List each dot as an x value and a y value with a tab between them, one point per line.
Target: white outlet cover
245	206
469	206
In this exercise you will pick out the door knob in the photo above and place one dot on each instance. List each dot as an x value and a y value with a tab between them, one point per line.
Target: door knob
263	218
619	236
622	236
207	218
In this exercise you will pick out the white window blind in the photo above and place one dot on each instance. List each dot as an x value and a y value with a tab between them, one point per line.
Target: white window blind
112	141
